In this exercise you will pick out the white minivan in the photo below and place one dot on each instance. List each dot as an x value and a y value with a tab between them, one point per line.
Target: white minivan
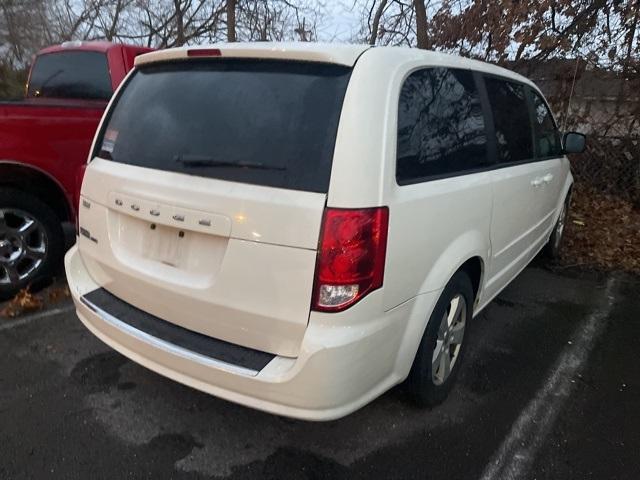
300	227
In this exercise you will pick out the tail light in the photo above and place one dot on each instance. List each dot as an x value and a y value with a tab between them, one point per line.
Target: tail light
351	256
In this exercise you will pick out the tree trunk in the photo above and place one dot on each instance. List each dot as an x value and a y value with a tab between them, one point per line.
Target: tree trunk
231	20
113	29
375	25
631	37
180	40
421	24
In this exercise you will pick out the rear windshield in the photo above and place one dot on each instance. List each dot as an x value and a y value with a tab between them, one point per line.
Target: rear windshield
269	123
71	75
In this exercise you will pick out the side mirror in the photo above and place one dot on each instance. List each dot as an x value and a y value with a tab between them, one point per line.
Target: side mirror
573	142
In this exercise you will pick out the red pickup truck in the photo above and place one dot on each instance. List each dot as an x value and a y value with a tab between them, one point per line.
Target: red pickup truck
44	143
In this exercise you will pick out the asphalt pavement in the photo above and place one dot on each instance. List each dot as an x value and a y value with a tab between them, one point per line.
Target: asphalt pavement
550	390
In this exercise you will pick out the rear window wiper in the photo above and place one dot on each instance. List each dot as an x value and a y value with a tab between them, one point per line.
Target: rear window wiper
202	161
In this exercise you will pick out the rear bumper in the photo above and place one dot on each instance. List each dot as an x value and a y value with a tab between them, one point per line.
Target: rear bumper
343	364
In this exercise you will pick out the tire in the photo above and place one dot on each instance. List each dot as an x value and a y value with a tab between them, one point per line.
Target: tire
31	241
553	246
428	382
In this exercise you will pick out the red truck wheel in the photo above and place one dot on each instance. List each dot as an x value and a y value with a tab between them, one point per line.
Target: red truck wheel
31	241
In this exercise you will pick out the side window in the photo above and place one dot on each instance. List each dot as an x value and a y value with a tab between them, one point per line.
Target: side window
440	125
71	75
546	135
511	120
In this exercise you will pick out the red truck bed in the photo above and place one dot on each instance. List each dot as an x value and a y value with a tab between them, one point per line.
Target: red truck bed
54	139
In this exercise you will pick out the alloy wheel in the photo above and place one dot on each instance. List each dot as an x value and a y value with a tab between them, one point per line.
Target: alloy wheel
560	226
449	341
23	246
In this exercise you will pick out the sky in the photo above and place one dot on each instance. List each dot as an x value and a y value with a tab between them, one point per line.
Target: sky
342	21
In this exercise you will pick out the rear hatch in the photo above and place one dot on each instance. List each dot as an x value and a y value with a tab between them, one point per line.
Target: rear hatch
204	200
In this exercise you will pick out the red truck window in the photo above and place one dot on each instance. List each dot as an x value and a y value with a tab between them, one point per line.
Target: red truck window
71	75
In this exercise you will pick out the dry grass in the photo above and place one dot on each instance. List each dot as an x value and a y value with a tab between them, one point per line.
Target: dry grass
23	302
603	231
58	293
26	302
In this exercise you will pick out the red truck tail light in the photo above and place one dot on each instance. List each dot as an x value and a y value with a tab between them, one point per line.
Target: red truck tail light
76	194
351	256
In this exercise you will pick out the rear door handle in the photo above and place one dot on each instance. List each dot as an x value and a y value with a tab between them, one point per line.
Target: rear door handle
547	178
536	182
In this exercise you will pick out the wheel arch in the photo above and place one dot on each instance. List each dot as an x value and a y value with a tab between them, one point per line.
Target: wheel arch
567	191
474	268
470	252
37	182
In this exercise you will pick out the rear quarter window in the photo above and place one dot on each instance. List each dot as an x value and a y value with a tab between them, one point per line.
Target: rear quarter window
77	75
270	123
441	129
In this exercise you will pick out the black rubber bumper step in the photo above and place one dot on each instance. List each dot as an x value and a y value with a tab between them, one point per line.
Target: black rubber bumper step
214	348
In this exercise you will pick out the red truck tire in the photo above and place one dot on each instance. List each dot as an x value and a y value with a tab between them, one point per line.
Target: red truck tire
31	241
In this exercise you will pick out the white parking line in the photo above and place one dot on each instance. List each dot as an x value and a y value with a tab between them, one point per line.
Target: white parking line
516	455
36	316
